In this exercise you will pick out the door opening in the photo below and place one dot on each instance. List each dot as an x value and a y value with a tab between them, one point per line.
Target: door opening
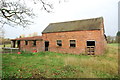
18	44
46	45
90	49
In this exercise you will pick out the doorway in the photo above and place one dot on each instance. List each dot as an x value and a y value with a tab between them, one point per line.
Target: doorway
90	49
46	45
18	43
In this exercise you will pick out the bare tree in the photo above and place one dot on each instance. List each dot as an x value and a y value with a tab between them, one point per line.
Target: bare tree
22	35
15	12
111	39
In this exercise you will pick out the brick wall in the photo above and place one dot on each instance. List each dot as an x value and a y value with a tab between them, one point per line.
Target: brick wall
29	47
80	36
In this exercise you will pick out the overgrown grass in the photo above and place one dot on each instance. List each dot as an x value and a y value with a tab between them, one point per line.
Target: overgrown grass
57	65
113	44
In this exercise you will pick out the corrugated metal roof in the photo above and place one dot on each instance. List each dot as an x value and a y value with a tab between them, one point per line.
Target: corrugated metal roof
86	24
29	38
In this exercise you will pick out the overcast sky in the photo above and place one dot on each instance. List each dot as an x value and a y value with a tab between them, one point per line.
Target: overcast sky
69	11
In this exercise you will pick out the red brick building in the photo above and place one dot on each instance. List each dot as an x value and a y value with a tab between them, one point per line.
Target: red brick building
75	37
29	43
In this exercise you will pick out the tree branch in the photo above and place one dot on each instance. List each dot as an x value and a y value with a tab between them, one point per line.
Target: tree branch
12	13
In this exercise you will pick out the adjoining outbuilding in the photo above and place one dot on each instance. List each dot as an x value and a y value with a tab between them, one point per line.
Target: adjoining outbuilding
76	37
28	43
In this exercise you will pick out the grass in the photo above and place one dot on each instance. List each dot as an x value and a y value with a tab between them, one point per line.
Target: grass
113	44
6	45
57	65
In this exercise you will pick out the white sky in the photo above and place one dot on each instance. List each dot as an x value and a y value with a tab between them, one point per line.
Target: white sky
68	11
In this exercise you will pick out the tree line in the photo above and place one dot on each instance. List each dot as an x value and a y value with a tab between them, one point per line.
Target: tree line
4	40
114	39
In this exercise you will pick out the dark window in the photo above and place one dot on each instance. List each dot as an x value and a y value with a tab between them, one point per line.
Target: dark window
72	43
90	43
59	42
26	42
34	43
